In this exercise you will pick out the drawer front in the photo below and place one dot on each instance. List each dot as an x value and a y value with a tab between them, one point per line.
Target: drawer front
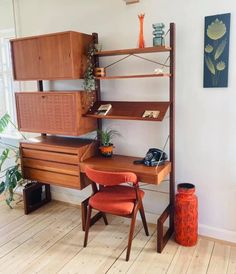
50	156
51	166
52	177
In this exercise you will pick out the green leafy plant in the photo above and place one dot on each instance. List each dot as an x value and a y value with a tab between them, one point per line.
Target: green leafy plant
105	136
89	79
11	177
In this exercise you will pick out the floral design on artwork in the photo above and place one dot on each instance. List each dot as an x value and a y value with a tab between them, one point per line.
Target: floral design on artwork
215	31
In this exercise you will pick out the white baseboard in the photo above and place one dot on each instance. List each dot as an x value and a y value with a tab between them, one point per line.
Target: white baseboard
204	230
217	233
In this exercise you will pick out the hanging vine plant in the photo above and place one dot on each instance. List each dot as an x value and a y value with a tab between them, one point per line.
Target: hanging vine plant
89	79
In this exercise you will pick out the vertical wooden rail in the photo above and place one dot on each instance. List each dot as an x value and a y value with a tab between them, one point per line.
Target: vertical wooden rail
172	124
97	81
162	238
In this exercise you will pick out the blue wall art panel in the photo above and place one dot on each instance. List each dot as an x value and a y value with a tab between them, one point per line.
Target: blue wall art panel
216	50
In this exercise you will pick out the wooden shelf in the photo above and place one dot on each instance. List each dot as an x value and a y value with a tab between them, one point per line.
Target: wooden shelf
129	110
153	175
133	51
133	76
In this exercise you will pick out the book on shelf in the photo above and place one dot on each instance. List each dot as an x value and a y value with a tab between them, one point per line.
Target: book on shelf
151	114
103	109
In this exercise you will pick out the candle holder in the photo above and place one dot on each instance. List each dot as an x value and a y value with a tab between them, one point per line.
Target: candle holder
158	39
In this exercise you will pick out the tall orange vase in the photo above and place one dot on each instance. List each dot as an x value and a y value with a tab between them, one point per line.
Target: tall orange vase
141	37
186	215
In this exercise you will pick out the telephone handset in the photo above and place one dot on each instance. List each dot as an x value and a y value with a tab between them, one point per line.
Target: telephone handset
153	157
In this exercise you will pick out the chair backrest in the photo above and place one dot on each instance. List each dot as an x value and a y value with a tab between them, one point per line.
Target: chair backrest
108	178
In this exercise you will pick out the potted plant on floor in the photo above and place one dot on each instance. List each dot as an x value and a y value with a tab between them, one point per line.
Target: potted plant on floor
10	176
105	138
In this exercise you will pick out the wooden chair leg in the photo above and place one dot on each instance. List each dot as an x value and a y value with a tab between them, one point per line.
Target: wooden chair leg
142	213
87	225
131	232
105	218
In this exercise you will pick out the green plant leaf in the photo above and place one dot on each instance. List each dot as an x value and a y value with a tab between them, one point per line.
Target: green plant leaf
4	156
210	65
220	49
2	187
4	121
105	136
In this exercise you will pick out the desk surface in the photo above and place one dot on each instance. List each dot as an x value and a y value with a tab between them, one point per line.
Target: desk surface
151	175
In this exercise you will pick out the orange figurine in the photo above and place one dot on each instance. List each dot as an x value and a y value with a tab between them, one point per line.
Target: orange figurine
141	38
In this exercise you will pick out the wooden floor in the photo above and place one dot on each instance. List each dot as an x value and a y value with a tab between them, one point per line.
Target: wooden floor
50	241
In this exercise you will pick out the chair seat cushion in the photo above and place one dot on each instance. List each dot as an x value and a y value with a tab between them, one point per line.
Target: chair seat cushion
118	200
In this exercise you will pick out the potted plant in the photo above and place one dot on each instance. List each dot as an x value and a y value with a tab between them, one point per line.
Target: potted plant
105	139
10	176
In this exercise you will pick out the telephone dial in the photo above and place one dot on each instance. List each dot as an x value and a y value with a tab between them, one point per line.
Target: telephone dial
153	157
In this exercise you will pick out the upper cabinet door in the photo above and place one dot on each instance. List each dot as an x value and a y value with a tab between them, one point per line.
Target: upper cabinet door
55	56
25	54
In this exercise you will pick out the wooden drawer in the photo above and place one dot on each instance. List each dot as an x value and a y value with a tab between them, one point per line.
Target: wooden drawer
55	160
49	177
50	156
51	166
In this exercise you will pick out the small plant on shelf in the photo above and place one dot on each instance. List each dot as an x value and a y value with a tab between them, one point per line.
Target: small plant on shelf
10	176
105	138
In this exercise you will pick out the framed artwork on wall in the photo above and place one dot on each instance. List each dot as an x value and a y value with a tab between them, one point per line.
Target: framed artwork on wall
216	50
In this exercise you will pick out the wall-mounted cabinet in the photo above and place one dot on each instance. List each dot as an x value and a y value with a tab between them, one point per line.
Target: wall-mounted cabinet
50	57
55	112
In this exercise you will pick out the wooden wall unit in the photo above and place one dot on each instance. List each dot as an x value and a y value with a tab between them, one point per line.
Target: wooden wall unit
54	112
50	57
55	160
134	111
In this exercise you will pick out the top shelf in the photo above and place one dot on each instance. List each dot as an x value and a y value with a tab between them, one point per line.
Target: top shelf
133	51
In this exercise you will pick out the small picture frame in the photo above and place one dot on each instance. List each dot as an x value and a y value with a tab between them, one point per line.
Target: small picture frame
151	114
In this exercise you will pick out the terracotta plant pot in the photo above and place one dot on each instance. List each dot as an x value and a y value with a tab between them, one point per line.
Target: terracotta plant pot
106	151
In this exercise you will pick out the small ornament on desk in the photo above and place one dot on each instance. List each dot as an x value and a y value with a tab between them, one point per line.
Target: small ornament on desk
158	39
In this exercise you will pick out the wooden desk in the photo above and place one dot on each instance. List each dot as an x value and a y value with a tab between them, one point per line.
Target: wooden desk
151	175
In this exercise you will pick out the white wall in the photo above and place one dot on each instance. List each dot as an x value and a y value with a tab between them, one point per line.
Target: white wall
205	118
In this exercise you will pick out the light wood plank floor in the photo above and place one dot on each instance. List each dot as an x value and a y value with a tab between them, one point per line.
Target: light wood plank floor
50	240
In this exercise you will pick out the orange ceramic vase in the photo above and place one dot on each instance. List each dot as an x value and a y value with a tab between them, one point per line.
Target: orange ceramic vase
141	38
186	215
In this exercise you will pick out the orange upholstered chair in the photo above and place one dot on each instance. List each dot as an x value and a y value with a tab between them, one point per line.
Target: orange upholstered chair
117	199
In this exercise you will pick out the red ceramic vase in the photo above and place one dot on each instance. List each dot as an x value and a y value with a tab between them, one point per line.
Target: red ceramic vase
186	215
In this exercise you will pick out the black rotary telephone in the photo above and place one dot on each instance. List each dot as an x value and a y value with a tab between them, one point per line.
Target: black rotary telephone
153	157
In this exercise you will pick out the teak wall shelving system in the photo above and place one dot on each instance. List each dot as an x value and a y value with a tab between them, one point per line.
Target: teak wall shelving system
134	111
50	159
